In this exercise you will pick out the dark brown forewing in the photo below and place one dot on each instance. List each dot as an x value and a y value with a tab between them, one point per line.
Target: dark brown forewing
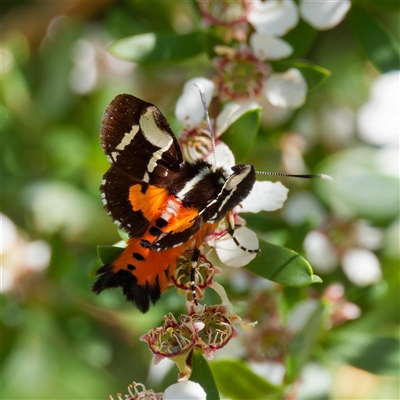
127	145
130	153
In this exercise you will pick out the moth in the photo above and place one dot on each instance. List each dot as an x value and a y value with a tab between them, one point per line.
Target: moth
165	204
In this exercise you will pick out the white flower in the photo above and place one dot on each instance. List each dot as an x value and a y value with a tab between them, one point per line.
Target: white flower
273	195
264	196
286	90
243	75
190	111
188	390
189	108
324	15
274	17
267	47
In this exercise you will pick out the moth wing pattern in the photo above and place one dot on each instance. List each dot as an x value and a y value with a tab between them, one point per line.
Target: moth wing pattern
142	150
166	205
132	131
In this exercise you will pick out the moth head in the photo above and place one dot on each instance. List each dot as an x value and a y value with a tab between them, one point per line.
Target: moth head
236	188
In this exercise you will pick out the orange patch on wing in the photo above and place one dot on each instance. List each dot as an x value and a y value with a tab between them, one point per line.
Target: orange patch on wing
149	202
184	219
156	264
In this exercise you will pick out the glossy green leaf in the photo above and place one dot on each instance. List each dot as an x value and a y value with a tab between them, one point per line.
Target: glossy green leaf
156	48
303	343
301	37
123	235
379	355
237	381
108	254
314	74
283	266
203	376
380	6
360	188
375	41
241	134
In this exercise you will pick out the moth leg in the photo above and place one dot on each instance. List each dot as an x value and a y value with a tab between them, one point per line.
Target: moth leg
231	232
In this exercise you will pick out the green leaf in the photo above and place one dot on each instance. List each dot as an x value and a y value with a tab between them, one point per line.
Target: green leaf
123	235
241	134
237	381
314	74
376	42
156	48
378	355
380	6
203	376
283	266
302	37
108	254
304	343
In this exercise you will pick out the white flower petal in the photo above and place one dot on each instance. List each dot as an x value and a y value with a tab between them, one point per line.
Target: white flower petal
188	390
324	14
223	156
189	108
230	254
286	90
267	47
274	17
231	112
362	267
265	196
320	252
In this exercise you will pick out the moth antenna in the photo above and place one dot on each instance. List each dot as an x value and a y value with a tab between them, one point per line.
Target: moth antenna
306	176
210	128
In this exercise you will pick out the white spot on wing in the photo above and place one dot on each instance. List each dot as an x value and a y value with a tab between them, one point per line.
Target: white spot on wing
152	164
128	137
156	136
114	155
151	131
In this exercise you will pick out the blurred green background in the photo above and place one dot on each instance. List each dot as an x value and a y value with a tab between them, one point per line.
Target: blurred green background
59	340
